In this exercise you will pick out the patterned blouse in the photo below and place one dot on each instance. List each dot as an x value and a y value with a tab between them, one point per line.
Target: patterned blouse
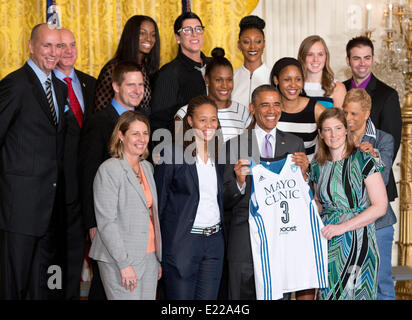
353	257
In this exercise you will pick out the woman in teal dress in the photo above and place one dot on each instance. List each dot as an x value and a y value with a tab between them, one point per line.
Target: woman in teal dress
351	196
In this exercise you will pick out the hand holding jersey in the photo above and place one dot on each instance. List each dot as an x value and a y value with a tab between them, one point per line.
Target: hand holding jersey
242	167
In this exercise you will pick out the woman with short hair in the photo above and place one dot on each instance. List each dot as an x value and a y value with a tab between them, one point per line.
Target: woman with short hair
182	78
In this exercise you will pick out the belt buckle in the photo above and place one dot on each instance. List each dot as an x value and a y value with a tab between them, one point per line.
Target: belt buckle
209	231
206	232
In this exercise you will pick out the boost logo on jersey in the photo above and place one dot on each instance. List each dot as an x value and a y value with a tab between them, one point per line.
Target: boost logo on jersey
286	230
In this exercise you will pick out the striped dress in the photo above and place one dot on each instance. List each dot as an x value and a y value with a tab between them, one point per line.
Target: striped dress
353	258
303	125
233	120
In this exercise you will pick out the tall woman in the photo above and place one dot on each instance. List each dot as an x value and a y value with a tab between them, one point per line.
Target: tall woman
127	244
139	42
352	194
253	72
189	184
319	78
299	114
181	79
234	117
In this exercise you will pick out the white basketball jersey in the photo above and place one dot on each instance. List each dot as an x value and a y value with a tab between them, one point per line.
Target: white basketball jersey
289	252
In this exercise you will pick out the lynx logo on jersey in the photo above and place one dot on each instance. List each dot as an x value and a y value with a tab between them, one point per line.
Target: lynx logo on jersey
294	167
289	253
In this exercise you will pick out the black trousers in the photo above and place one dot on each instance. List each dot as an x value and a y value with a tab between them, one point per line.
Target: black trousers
71	248
24	264
241	281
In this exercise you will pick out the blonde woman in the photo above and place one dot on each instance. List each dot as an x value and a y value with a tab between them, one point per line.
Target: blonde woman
127	244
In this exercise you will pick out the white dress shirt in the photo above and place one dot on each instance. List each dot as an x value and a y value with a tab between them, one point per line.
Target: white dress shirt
261	137
208	212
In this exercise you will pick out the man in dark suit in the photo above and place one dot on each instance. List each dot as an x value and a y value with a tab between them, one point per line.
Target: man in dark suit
266	109
81	87
93	150
31	170
386	116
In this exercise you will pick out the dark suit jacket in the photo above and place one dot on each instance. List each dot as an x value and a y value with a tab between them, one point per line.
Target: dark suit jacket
93	151
31	152
236	204
71	147
386	116
178	197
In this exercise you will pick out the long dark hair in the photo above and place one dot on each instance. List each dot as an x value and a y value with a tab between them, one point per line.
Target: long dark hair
195	103
128	47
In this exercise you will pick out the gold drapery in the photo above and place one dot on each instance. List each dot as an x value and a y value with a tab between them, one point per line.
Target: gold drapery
98	24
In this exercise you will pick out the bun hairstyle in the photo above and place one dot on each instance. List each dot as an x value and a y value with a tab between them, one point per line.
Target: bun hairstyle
218	52
218	60
251	22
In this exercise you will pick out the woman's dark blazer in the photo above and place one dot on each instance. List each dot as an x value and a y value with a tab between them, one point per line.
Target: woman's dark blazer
177	185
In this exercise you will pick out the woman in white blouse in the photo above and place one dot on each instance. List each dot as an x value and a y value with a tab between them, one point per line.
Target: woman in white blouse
253	72
190	185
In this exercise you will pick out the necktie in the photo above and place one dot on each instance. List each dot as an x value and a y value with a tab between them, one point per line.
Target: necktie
267	151
49	96
74	103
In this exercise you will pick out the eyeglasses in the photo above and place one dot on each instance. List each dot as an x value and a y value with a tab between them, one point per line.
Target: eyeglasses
189	30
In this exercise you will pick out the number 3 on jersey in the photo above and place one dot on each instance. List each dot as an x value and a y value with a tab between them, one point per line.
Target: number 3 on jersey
284	205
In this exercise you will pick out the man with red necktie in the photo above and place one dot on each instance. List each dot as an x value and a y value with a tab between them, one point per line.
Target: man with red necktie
80	87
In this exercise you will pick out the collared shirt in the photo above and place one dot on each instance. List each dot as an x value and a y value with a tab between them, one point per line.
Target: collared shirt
370	129
77	87
363	85
118	107
261	137
43	77
370	136
208	212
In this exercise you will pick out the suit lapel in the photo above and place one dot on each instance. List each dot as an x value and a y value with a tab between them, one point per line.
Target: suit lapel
60	90
370	88
281	144
85	93
38	92
193	171
132	179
